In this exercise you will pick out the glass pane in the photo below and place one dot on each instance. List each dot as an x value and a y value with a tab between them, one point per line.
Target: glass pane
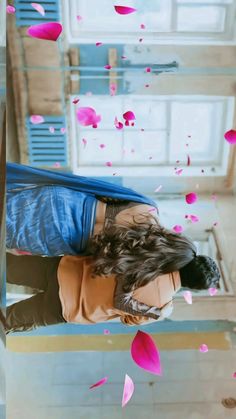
101	16
201	18
92	152
144	147
198	125
150	114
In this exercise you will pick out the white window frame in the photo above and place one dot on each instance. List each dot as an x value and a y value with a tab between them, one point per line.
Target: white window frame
228	37
150	170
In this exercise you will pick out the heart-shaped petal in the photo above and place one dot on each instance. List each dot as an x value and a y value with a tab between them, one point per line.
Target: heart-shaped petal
191	198
230	136
48	31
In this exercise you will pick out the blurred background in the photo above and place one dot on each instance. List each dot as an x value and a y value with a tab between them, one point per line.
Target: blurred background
173	63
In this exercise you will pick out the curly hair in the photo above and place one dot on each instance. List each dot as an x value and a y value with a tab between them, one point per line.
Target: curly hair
139	252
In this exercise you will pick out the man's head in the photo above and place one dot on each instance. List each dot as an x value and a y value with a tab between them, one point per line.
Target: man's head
201	273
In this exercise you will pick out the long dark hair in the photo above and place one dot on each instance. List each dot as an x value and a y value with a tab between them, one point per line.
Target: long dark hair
139	252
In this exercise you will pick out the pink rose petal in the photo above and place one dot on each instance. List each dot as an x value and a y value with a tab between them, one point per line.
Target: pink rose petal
57	164
118	124
188	297
113	89
39	8
63	130
124	10
178	228
191	198
52	130
188	160
128	390
234	375
230	136
79	18
99	383
179	172
87	116
102	145
158	188
108	163
129	116
123	57
142	26
98	44
107	67
147	85
214	197
152	209
76	100
194	218
203	348
140	40
84	142
36	119
145	353
10	10
49	31
212	291
106	332
148	70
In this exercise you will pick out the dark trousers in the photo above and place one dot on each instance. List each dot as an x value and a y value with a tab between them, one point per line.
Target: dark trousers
44	308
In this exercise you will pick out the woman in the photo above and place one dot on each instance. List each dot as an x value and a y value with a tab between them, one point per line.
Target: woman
72	292
54	213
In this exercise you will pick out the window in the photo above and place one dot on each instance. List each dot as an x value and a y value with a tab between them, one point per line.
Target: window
167	130
189	20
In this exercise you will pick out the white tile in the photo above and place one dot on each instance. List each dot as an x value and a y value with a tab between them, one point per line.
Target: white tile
81	412
216	390
178	392
112	394
128	412
74	395
216	370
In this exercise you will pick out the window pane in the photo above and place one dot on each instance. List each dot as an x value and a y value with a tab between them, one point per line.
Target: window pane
93	153
199	125
145	147
201	18
150	114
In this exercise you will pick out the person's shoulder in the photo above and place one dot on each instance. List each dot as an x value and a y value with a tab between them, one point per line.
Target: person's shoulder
138	213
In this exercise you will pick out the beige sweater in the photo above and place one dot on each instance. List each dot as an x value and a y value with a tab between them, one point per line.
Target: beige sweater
89	299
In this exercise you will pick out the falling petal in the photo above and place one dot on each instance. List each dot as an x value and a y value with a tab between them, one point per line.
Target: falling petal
188	297
52	130
39	8
178	172
57	164
63	130
230	136
212	291
49	31
234	375
150	158
158	188
140	40
76	100
87	116
148	70
107	67
102	145
142	26
215	224
128	390
188	160
123	57
147	85
36	119
152	209
214	197
191	198
79	18
124	10
194	218
145	353
108	163
106	332
113	89
114	174
178	228
132	150
89	93
118	124
99	383
84	142
203	348
98	44
129	116
10	9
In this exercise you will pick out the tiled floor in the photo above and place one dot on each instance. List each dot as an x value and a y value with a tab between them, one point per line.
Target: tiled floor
56	386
